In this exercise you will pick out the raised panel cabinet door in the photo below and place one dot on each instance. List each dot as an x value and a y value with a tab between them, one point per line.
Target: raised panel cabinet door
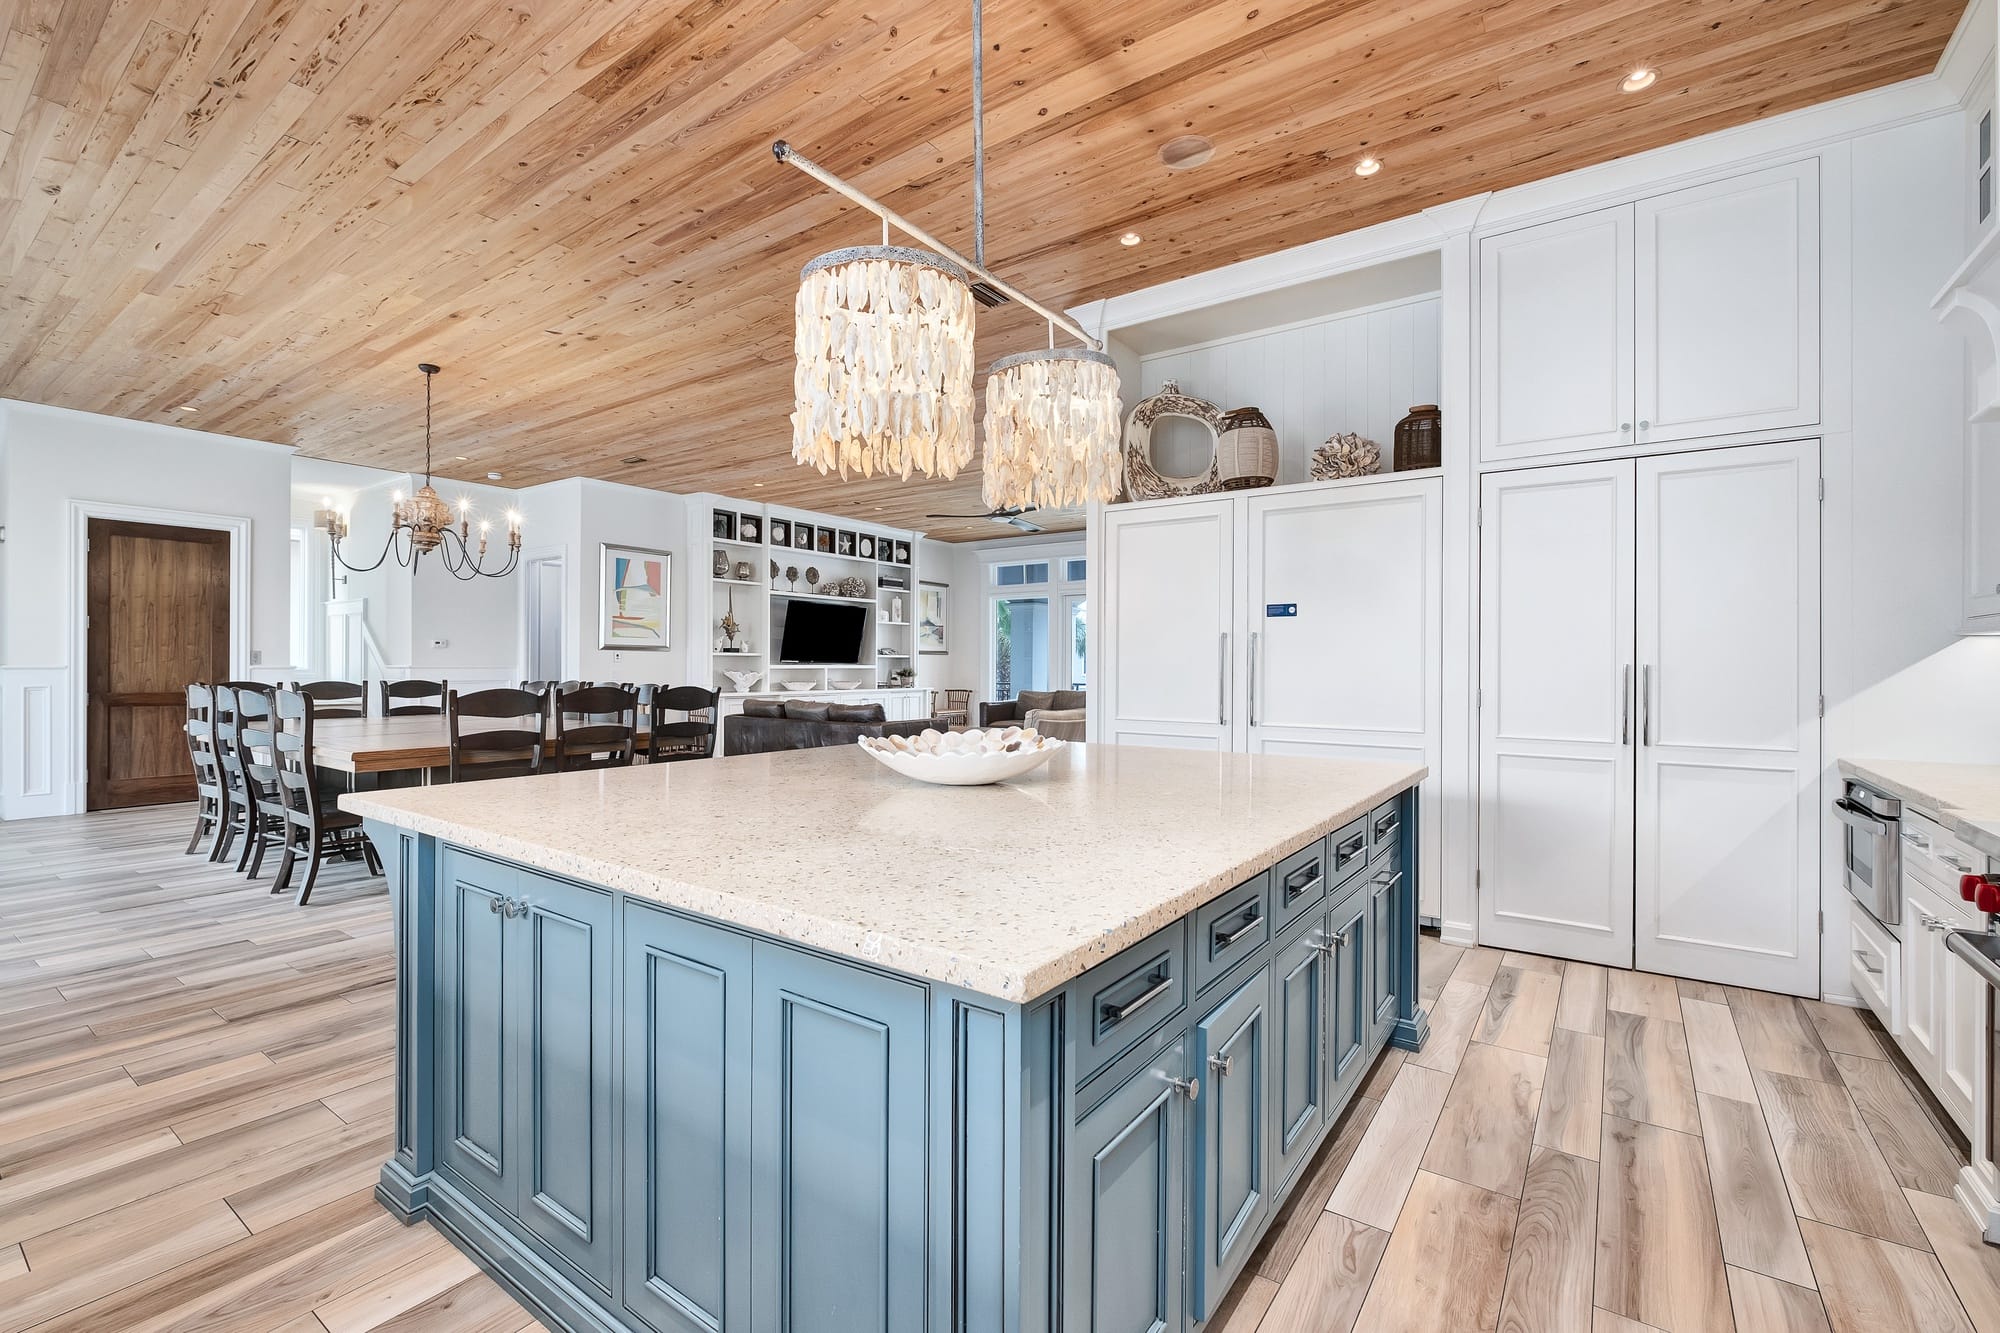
1727	306
1728	808
1125	1206
476	1129
1961	1052
1923	1003
1350	667
1232	1138
685	1085
561	1033
838	1153
1298	1056
1556	730
1555	337
1350	1019
1169	599
1385	895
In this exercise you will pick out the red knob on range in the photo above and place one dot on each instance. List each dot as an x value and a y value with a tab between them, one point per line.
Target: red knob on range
1987	898
1968	885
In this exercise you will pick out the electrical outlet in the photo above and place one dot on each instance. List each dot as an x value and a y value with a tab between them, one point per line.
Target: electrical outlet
256	657
440	643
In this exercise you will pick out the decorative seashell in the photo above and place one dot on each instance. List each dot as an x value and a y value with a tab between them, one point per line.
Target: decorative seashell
929	735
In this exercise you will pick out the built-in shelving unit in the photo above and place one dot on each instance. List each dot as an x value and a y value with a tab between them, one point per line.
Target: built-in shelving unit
760	603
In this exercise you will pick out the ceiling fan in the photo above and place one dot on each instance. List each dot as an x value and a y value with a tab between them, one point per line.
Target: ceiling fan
1007	516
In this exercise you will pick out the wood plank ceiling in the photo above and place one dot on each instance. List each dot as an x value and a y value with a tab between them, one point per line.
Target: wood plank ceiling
269	210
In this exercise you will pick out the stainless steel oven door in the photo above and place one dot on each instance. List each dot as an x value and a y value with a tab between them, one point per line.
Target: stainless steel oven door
1874	861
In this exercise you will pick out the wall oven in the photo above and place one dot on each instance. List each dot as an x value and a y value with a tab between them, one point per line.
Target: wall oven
1873	850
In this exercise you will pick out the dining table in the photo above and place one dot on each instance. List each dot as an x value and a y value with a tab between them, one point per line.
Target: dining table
417	744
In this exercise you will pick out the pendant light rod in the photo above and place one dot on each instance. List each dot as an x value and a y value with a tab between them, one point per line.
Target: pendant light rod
978	139
784	152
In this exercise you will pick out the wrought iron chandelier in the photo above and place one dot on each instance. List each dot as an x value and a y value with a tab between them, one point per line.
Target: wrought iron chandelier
883	377
425	523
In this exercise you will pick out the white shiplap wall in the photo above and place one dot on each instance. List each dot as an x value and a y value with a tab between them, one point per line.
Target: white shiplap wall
1361	371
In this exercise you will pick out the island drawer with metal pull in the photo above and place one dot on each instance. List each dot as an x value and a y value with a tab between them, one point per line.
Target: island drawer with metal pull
1298	883
1385	828
1230	929
1124	998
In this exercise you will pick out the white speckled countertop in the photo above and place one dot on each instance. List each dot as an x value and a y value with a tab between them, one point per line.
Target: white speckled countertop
1965	798
1008	890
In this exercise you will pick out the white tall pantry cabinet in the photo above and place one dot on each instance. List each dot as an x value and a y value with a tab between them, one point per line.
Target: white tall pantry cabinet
1304	621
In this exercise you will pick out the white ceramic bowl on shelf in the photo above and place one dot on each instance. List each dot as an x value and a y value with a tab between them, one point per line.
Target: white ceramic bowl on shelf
963	758
845	684
799	684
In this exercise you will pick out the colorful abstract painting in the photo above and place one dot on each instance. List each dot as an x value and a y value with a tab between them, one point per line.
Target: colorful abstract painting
636	597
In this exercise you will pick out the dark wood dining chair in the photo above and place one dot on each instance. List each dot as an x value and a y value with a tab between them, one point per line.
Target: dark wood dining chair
429	693
336	698
254	751
310	827
496	752
208	780
597	726
687	736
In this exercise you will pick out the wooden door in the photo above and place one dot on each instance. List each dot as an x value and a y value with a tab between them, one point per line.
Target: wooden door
158	607
1169	626
1728	810
1232	1137
1555	344
1727	306
1346	618
1555	712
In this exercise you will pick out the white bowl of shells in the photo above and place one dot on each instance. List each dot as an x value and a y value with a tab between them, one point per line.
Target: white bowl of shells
964	758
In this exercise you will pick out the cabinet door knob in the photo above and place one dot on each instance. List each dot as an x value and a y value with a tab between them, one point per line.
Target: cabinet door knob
1625	427
1220	1065
493	905
1645	425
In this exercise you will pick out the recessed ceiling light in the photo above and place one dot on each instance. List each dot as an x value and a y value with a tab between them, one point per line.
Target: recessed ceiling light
1186	152
1639	80
1130	238
459	458
185	407
756	483
493	476
1367	166
633	461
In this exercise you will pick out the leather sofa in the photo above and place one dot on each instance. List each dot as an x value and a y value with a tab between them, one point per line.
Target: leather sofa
1057	714
768	725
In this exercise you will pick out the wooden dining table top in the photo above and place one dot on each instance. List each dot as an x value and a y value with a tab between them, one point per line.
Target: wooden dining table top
399	744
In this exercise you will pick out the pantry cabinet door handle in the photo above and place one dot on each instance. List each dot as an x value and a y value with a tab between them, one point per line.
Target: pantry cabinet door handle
1222	682
1645	705
1253	677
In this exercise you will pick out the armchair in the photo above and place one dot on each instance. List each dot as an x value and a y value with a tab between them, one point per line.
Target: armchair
1055	713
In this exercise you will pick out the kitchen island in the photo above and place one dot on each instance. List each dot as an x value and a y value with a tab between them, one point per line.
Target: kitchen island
788	1042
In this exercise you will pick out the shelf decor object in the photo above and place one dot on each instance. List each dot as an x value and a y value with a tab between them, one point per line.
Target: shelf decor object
883	335
634	597
1052	430
1420	439
1346	455
1246	452
425	523
1143	480
744	681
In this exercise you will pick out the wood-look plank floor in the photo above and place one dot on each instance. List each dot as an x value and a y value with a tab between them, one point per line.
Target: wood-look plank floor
195	1092
196	1084
1583	1150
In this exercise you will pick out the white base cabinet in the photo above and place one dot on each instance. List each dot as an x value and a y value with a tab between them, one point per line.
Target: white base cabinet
1302	621
1943	1029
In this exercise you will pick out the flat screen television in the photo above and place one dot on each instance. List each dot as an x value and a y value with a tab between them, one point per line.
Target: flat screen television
822	632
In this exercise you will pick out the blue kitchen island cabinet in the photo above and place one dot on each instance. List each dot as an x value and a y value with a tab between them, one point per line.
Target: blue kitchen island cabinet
649	1099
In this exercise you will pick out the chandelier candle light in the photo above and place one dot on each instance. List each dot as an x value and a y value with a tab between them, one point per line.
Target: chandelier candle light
425	523
883	380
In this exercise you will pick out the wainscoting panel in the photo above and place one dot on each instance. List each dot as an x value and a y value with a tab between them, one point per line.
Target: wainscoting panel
36	744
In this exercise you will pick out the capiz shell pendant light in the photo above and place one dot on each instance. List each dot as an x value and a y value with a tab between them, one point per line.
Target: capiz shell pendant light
883	377
1053	426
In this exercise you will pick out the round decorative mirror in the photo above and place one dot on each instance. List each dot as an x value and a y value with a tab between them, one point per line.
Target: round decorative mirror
1185	420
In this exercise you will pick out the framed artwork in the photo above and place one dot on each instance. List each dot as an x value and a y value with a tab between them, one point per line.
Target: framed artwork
902	553
781	532
725	525
844	543
750	528
823	540
932	603
802	536
635	596
866	548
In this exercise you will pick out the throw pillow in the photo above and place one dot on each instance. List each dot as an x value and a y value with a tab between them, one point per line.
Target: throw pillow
1030	700
807	710
855	713
763	708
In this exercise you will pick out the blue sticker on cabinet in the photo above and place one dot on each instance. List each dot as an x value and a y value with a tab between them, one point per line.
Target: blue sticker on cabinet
1281	608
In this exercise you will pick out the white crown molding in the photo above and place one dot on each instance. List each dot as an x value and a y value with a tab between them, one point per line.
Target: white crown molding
1969	52
173	432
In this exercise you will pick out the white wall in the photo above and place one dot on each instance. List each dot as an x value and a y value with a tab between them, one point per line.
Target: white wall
955	564
972	591
52	458
1360	371
576	515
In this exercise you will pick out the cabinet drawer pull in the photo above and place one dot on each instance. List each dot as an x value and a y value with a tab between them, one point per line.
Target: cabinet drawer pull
1347	851
1384	884
1387	824
1225	938
1948	859
1302	881
1114	1014
1861	957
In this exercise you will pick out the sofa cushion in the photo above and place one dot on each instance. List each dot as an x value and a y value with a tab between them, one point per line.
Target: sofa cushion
1068	700
764	707
855	713
1030	700
808	710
